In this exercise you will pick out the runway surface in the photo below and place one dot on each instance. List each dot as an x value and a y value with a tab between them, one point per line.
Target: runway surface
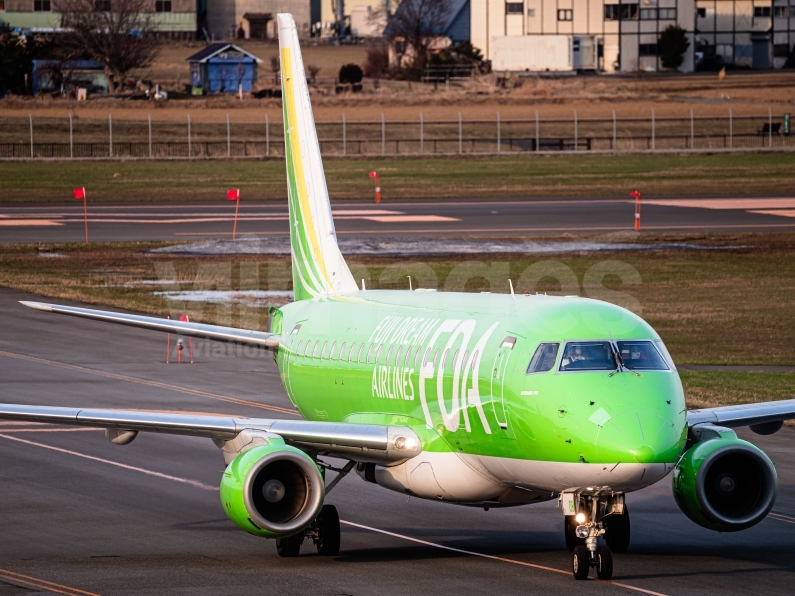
82	516
471	218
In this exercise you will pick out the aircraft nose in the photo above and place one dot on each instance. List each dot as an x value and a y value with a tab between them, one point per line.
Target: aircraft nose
637	437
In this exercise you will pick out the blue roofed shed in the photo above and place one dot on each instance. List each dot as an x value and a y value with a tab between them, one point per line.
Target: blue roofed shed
223	68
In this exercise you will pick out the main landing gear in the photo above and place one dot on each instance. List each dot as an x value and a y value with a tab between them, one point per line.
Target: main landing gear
596	517
324	532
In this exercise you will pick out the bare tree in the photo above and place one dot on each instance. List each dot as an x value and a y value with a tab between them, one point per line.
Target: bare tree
414	27
117	33
313	72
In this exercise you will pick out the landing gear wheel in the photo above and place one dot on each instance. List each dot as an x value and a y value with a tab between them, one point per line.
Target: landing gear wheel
604	562
328	527
581	563
289	546
617	536
569	529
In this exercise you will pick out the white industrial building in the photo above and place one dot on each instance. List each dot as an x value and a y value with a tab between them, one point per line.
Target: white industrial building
624	33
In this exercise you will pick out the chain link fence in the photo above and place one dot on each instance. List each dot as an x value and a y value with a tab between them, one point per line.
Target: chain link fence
73	137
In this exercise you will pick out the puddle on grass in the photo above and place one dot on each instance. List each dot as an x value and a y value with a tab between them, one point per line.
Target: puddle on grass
250	298
404	247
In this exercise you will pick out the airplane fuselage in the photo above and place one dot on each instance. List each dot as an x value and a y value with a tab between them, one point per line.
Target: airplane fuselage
454	367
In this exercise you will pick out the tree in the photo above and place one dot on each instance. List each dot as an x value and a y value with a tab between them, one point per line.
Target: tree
350	73
672	45
414	28
313	72
17	53
117	33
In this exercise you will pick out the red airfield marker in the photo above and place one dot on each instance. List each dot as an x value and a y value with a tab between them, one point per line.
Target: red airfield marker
80	193
374	175
636	194
234	195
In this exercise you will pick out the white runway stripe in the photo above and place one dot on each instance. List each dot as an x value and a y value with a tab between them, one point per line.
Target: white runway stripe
492	557
195	483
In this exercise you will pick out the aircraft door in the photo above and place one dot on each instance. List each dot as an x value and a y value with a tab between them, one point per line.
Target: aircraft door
289	356
498	380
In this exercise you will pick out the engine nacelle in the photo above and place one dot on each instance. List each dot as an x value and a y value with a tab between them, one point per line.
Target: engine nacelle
272	490
725	483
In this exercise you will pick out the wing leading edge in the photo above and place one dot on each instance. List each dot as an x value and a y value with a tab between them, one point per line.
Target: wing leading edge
360	442
261	339
744	415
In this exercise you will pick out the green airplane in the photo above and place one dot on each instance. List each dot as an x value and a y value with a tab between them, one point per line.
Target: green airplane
485	400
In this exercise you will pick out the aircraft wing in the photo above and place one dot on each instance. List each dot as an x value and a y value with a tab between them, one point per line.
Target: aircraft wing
744	415
216	332
359	442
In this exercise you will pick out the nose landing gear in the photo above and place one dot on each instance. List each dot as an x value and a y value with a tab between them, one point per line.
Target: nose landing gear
596	516
592	554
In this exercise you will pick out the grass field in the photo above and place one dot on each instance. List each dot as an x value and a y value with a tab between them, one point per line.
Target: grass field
406	178
723	306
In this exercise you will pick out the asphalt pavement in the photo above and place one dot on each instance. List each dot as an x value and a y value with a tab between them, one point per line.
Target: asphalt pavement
471	218
79	515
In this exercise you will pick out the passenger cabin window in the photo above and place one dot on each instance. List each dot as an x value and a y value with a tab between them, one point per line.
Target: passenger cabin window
314	350
474	359
377	353
389	354
544	358
369	353
298	349
306	349
323	351
641	355
331	353
361	351
397	356
588	355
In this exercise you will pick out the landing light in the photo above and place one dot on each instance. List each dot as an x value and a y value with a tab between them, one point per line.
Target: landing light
406	443
580	518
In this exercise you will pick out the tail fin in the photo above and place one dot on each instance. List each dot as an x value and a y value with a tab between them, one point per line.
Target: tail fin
318	266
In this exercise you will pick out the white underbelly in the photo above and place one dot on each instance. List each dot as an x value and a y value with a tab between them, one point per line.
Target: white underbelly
466	478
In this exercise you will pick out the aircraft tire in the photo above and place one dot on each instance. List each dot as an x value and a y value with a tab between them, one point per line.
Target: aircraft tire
569	527
328	523
618	532
604	562
290	546
580	564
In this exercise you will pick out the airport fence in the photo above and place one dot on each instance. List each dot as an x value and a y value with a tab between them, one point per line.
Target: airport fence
73	137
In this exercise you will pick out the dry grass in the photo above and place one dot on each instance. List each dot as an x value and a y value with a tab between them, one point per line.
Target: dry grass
408	178
710	389
727	306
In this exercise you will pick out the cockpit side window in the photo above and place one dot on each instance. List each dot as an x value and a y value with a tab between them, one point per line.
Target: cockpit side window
641	355
544	358
588	355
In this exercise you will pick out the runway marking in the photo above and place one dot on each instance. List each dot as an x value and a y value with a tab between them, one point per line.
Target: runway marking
780	203
344	522
485	556
409	218
781	517
157	384
42	584
779	212
195	483
29	222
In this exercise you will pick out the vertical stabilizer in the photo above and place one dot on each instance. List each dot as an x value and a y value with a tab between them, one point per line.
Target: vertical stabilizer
318	266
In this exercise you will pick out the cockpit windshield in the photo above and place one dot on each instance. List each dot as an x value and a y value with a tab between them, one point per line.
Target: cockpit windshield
544	358
641	355
588	355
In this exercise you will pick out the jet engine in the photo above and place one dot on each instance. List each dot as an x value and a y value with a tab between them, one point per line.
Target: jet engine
273	490
724	483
